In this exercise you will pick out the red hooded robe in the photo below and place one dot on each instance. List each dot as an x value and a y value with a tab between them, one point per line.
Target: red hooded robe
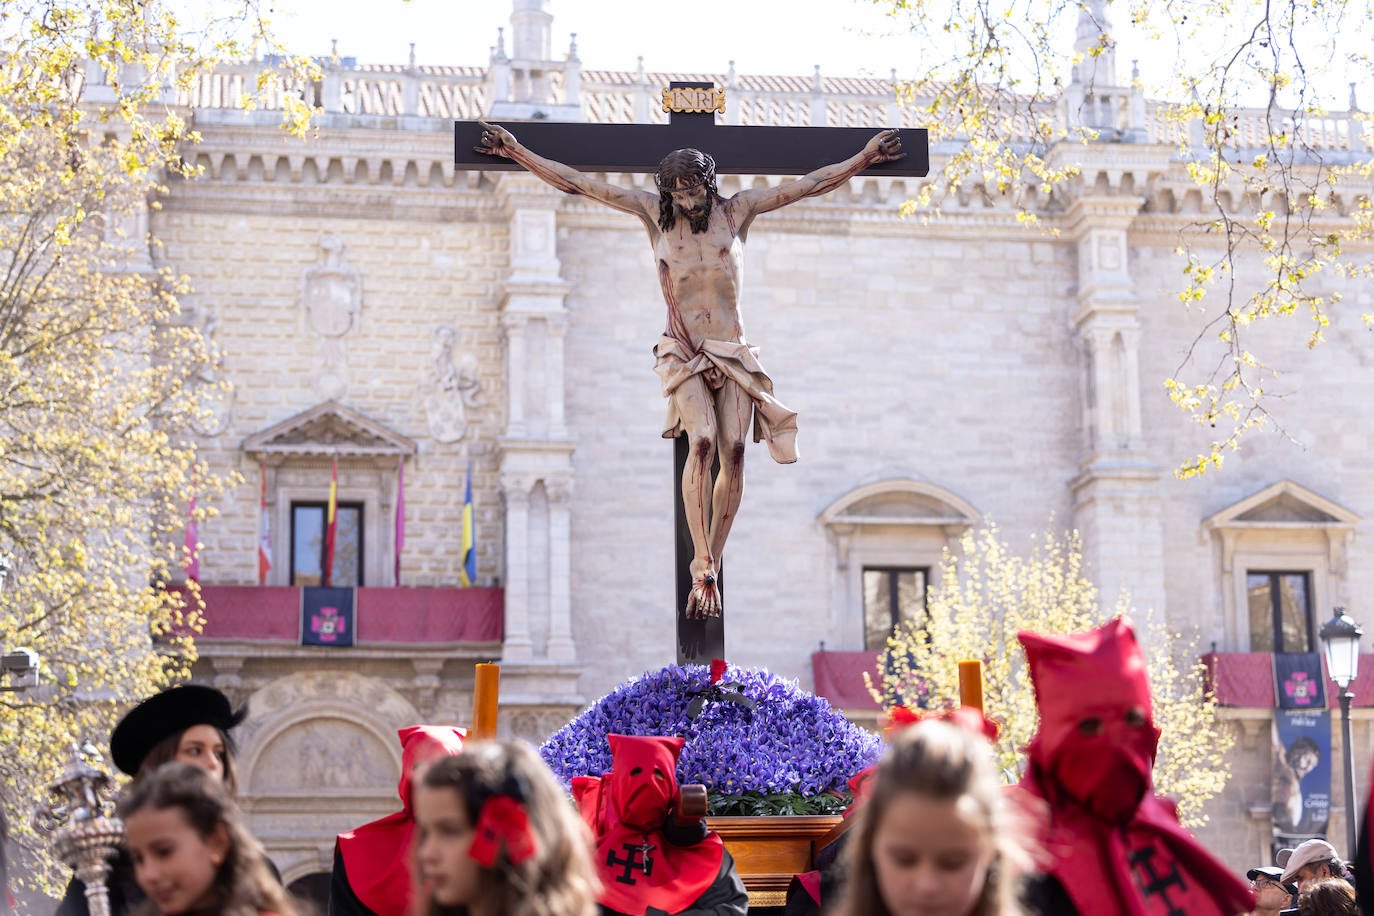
376	855
626	809
1116	846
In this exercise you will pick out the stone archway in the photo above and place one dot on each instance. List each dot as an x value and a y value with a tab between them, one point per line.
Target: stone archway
319	756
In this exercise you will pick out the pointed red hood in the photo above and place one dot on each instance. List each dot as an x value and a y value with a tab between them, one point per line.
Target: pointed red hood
376	855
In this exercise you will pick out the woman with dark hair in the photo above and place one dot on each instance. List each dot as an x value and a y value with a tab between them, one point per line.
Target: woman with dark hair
190	724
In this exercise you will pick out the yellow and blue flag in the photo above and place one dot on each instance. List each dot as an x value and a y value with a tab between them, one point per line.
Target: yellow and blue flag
467	573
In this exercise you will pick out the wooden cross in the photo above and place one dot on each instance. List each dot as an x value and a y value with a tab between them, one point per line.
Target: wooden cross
638	148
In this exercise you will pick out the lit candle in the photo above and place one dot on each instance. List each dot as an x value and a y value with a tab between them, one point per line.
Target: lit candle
971	684
486	689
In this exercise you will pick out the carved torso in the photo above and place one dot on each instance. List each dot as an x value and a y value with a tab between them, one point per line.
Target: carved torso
702	277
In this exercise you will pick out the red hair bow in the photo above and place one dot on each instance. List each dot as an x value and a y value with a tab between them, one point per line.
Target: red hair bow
966	717
502	823
718	667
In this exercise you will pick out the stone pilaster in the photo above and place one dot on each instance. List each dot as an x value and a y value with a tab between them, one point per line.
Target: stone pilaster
516	367
518	645
560	645
1116	492
536	452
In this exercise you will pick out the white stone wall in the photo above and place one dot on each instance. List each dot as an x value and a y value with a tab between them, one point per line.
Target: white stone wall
246	268
950	354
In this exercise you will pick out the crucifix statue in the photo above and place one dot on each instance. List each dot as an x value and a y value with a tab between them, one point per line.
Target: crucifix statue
711	376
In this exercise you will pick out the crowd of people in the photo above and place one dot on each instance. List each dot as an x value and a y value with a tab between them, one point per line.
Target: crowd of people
485	829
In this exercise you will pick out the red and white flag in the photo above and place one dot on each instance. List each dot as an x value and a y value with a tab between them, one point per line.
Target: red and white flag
264	528
400	513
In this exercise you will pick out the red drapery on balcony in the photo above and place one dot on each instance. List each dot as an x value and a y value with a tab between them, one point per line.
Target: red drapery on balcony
1246	679
399	615
839	677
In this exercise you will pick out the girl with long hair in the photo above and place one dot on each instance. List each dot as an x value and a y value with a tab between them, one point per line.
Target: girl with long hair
937	833
191	851
496	836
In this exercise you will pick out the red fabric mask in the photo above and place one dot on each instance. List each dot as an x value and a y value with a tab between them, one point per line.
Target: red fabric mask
642	784
1108	775
626	808
1115	846
376	855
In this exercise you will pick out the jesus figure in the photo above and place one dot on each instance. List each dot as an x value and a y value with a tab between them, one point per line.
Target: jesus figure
711	376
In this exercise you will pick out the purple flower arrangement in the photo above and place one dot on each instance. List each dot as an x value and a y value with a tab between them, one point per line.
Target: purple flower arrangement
790	741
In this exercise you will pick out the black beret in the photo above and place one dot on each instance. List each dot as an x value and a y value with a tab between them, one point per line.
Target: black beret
169	713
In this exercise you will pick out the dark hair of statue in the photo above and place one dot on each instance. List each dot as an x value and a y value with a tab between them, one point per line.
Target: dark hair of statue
688	167
1301	746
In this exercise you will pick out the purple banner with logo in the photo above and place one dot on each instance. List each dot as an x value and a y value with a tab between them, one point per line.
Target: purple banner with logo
327	617
1298	680
1302	772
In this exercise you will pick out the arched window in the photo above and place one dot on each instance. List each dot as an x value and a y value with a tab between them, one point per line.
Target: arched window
1282	556
886	540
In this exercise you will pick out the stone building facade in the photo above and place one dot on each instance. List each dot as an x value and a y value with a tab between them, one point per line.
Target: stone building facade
375	308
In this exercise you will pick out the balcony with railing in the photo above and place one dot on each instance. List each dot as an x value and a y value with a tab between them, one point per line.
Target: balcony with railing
385	618
1245	680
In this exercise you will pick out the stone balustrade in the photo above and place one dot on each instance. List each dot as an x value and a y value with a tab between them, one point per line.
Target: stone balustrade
416	94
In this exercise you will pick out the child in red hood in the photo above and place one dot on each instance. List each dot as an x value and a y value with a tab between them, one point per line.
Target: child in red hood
1112	845
647	863
372	862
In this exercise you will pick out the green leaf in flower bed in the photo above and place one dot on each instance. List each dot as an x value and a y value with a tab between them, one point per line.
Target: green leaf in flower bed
757	804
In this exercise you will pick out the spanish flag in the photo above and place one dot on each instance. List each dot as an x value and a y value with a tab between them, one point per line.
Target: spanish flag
467	573
264	527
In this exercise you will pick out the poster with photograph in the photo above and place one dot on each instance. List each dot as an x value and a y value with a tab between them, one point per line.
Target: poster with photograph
1302	772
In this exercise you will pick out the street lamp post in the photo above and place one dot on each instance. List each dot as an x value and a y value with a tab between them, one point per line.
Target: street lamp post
1341	637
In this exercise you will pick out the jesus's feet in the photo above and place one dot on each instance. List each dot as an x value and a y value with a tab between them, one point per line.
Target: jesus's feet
704	600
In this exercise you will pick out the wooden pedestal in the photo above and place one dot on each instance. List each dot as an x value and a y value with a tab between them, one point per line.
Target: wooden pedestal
768	851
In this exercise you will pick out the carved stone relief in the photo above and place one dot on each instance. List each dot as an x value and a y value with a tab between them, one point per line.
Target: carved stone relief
355	715
331	306
323	753
537	724
215	392
449	390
